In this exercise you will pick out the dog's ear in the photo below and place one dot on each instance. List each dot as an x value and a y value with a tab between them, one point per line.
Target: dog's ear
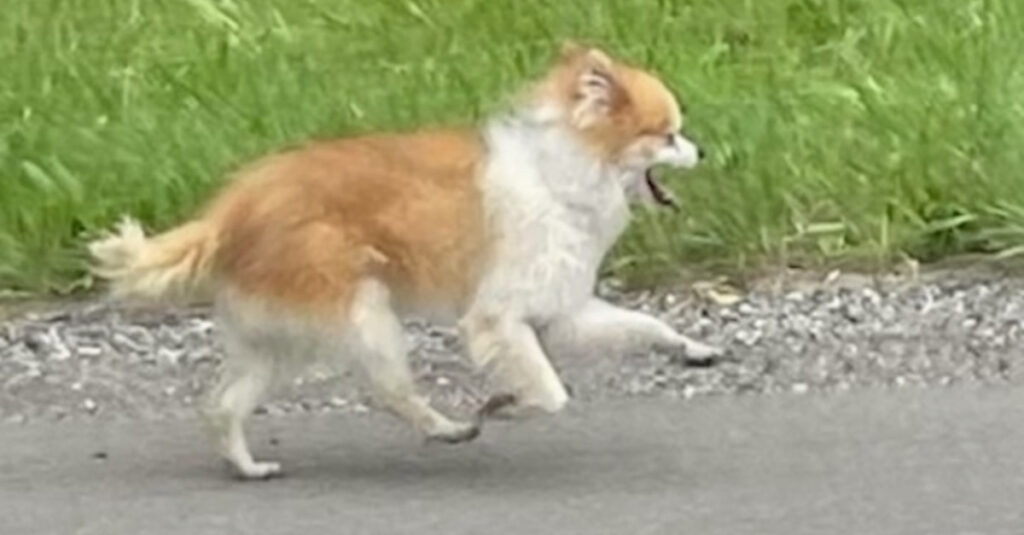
598	92
570	49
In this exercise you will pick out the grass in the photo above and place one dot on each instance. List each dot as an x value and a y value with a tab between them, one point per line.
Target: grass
837	129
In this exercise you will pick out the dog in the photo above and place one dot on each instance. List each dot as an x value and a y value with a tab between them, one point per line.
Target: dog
315	254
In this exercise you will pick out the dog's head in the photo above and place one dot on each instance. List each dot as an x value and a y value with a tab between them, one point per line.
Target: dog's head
624	114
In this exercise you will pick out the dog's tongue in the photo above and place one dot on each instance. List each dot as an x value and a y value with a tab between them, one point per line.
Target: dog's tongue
661	194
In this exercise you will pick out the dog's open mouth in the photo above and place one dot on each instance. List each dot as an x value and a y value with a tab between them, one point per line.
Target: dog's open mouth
659	193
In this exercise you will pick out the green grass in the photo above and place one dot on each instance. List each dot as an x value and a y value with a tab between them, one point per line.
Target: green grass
856	129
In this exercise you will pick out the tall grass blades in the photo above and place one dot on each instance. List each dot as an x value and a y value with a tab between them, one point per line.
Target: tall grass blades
836	129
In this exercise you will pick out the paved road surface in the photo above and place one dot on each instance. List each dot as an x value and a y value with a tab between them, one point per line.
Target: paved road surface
873	462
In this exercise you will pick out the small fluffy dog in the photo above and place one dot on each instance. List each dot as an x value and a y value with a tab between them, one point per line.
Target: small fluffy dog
315	254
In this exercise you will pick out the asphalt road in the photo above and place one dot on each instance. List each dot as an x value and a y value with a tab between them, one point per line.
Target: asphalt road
870	462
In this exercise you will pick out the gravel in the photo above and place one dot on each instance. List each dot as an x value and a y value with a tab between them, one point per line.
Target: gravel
796	333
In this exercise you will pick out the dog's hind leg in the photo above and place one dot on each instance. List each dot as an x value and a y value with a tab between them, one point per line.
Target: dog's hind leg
380	351
247	374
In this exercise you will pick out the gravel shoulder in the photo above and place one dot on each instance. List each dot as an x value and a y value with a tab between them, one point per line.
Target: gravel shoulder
799	334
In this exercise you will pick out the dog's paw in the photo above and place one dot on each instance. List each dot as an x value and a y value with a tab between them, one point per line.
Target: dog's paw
455	433
498	406
701	355
259	471
701	351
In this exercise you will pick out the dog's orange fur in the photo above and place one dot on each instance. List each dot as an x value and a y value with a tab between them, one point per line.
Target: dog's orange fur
302	227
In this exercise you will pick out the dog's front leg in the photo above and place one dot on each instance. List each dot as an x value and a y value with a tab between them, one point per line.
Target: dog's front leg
508	348
602	327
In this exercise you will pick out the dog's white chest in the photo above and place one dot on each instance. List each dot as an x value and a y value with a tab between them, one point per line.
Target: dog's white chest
556	212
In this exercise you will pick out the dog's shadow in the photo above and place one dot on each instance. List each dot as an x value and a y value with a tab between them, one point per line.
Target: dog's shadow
401	460
508	455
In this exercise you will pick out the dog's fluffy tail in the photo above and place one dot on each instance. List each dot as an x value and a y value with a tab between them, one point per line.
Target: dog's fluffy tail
169	265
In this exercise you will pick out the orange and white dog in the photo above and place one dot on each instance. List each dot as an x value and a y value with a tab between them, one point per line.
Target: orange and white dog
315	254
